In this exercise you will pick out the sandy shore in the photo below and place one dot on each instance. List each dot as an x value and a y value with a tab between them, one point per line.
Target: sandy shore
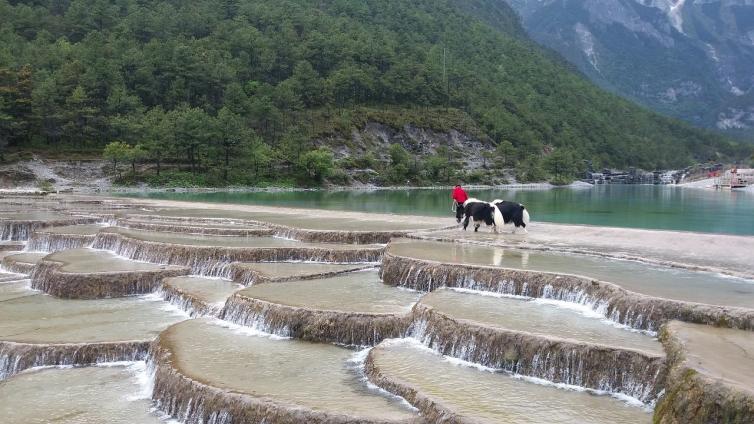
728	254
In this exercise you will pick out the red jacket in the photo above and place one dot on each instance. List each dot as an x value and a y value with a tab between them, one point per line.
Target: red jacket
459	195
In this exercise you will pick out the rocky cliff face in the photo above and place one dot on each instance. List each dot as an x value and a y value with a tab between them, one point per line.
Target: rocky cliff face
693	59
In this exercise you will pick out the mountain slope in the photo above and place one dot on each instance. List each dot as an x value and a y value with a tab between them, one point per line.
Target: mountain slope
195	80
693	59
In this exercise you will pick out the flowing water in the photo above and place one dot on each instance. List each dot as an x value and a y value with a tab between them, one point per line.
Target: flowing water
30	317
633	206
489	397
90	395
543	317
353	292
317	376
92	261
670	283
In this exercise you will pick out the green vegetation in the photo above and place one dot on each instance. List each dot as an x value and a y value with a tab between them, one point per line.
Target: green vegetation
218	92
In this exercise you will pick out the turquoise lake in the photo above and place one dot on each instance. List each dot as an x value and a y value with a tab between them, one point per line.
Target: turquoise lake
633	206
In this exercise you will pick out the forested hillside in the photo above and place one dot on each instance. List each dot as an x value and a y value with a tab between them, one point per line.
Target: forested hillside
260	90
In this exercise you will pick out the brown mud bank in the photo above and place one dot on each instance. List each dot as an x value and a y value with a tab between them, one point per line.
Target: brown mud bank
216	260
633	373
16	357
711	375
615	303
348	328
50	275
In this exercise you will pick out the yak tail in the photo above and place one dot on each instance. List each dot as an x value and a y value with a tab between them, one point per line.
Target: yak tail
526	216
498	216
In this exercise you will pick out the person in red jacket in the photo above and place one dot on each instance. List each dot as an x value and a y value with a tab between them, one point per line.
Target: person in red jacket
459	197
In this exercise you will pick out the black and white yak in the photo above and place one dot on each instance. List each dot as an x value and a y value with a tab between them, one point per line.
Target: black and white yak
495	214
481	212
513	213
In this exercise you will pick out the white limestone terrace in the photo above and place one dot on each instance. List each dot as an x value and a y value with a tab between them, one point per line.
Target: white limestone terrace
714	252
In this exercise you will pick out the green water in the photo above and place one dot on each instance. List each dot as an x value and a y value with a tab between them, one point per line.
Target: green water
633	206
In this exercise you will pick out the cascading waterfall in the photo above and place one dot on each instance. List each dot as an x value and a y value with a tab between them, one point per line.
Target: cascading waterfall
613	302
216	261
53	242
22	230
16	357
615	370
348	328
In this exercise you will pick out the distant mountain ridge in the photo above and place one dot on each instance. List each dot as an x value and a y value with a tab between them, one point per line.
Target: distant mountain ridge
692	59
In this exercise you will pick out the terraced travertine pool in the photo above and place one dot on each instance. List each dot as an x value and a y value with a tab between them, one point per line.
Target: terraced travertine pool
224	241
280	338
96	394
650	280
483	395
360	291
555	319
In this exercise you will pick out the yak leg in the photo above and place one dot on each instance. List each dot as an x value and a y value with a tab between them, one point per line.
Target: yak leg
466	222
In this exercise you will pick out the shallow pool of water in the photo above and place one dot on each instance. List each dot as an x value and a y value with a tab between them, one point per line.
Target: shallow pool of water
722	353
353	292
483	396
651	280
31	317
312	375
554	319
86	260
90	395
